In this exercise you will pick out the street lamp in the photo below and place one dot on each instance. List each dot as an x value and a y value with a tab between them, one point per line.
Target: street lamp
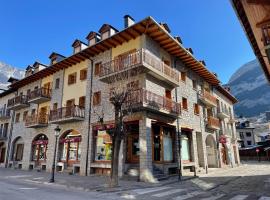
56	133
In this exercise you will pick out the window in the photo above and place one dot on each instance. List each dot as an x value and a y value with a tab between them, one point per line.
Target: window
241	135
97	98
83	74
28	92
196	109
72	78
33	112
183	76
55	105
194	84
17	118
97	69
248	142
248	134
167	62
25	113
57	83
82	102
184	103
103	146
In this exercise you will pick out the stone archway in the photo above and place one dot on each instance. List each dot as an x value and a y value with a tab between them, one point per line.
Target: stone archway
70	147
39	149
17	149
211	150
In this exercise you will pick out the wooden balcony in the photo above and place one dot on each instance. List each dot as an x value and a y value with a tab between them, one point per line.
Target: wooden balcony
213	123
36	120
141	61
4	114
208	99
145	100
223	113
39	95
18	102
67	114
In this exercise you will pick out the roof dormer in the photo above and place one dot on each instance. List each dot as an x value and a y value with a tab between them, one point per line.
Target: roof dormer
78	46
28	71
38	66
93	38
56	57
165	26
106	31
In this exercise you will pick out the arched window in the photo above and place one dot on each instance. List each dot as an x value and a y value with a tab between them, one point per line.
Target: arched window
18	146
70	150
39	148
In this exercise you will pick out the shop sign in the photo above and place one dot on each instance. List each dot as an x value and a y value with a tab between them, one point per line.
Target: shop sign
70	140
40	142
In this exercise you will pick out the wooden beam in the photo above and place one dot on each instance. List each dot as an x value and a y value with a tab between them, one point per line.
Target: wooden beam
131	34
109	43
116	40
160	38
126	36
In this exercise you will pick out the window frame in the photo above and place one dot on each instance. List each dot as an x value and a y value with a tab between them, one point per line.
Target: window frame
72	78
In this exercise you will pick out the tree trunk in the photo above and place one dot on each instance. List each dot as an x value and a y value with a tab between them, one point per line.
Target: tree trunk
116	148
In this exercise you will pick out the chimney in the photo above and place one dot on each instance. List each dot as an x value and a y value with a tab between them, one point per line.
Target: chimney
92	38
78	46
203	62
165	26
56	57
178	39
215	74
190	50
128	21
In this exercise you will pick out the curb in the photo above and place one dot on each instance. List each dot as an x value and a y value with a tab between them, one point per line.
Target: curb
224	183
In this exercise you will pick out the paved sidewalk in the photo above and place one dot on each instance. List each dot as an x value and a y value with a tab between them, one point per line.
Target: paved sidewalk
85	183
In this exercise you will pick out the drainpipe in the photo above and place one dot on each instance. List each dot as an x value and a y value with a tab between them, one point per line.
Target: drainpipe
89	118
178	138
9	139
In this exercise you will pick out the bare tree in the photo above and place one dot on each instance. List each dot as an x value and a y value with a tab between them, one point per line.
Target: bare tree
120	96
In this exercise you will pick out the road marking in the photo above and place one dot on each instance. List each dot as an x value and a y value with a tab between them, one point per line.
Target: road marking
202	184
149	190
128	196
38	178
18	176
215	197
264	198
239	197
163	194
189	195
28	188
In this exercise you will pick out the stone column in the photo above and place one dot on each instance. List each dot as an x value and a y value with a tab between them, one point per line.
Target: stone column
145	141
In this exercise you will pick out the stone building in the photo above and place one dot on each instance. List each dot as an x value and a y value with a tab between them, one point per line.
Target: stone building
174	99
246	134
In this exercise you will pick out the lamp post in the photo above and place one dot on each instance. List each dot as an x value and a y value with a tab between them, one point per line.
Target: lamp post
56	133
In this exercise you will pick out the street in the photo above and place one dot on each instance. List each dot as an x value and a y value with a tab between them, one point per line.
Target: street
250	181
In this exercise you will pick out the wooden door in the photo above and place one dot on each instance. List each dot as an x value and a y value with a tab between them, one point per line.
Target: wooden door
42	115
168	102
69	107
133	149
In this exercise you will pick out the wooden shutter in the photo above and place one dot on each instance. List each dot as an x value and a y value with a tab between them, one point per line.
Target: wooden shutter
82	102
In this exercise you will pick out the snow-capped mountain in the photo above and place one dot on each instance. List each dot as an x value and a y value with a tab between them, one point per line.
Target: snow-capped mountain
7	71
250	87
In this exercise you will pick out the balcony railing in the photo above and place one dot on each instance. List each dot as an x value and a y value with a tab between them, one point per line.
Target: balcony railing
223	113
213	123
208	98
145	99
39	95
18	102
67	114
266	35
36	120
144	58
4	113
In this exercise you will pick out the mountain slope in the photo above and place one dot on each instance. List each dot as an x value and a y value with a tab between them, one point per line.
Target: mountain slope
7	71
250	87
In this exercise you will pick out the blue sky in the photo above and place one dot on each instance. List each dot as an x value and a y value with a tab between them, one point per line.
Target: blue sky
32	29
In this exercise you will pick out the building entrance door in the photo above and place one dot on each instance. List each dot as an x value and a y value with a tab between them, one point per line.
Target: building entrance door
2	155
133	149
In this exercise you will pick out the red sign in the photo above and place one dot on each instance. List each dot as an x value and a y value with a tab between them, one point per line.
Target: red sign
40	142
257	150
222	139
67	140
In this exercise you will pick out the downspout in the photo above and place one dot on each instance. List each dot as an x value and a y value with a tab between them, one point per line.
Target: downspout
178	137
89	118
9	139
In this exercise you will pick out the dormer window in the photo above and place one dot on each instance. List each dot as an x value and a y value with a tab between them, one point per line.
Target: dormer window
92	38
78	46
55	57
107	31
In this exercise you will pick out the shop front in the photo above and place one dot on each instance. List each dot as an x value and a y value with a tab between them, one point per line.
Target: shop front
70	149
39	150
